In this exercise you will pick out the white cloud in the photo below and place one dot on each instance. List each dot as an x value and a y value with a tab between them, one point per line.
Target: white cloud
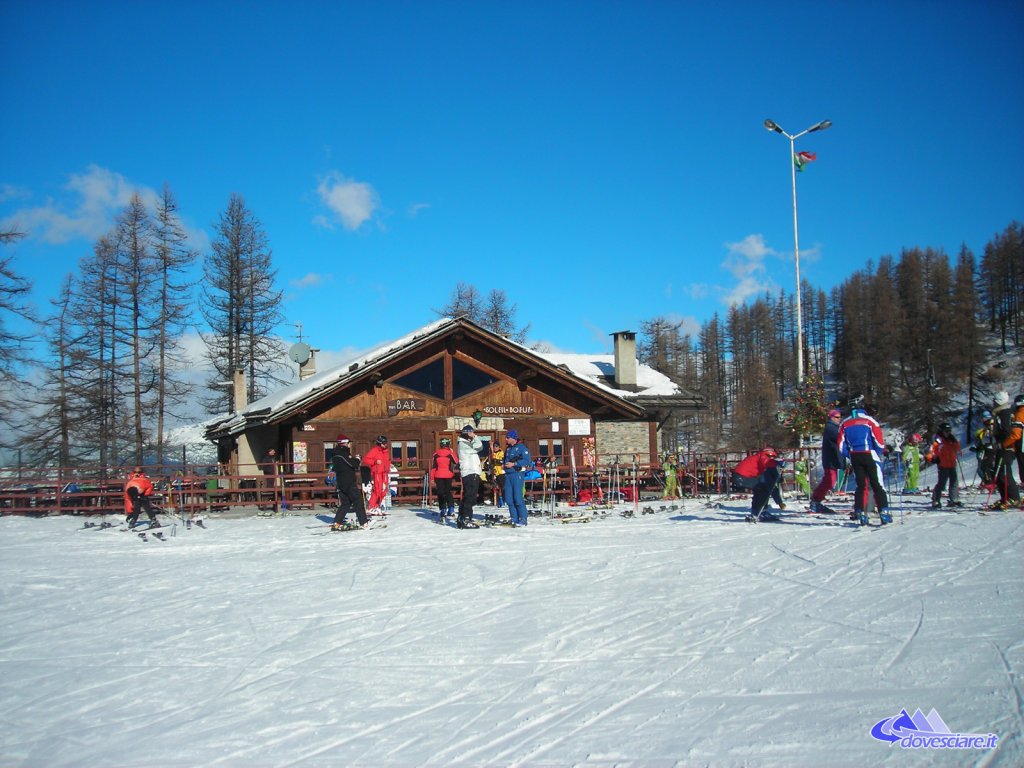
745	261
94	199
352	202
309	280
415	209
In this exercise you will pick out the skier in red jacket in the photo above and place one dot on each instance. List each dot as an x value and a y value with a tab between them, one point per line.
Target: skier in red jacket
444	464
137	493
378	464
759	473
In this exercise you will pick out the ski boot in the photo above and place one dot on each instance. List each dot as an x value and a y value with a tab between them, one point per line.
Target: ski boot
339	525
862	517
936	504
885	517
954	504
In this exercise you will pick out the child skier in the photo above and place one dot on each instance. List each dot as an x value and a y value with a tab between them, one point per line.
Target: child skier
945	451
911	458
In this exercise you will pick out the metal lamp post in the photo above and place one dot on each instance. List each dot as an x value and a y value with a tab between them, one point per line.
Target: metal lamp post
771	125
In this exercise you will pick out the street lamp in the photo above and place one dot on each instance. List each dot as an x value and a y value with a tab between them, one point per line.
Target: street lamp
771	125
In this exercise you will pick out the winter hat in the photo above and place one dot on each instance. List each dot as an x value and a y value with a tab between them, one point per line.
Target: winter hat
1018	400
835	413
915	438
468	428
342	440
1002	397
511	435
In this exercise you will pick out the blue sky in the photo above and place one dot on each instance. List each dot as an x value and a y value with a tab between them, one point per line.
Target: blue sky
602	162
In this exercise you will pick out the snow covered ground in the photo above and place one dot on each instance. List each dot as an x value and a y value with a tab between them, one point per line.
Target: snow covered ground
680	638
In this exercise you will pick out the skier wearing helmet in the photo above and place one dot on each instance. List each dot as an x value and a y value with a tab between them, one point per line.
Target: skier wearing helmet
443	466
945	451
862	442
346	472
831	463
377	462
984	445
1007	432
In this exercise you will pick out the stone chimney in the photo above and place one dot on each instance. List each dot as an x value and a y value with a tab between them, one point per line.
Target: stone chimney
239	390
625	360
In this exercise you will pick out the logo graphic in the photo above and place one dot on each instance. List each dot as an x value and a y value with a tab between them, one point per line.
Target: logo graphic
920	732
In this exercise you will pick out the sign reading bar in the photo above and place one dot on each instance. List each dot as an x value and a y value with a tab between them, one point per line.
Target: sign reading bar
406	404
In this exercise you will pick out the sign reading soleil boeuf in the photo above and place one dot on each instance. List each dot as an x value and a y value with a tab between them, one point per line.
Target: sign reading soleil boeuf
506	410
406	404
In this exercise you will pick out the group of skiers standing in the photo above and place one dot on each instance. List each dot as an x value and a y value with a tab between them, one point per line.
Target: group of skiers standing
510	464
353	474
857	444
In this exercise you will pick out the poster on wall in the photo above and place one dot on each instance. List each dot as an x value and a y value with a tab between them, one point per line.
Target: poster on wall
589	452
579	427
300	456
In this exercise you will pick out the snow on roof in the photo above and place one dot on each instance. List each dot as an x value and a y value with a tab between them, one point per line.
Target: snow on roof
324	379
600	370
594	369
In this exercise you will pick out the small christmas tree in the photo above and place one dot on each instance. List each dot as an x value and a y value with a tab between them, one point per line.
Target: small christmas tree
806	414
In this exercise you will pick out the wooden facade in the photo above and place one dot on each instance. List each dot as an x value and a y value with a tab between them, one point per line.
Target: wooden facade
428	386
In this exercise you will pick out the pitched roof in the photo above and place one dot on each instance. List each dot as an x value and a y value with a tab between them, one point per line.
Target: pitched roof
592	372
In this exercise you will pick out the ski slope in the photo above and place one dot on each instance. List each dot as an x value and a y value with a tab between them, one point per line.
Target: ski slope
680	638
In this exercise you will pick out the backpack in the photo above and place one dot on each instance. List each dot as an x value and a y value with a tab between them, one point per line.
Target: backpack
331	479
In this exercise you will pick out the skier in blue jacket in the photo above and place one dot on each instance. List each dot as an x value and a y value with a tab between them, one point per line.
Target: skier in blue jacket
862	442
517	462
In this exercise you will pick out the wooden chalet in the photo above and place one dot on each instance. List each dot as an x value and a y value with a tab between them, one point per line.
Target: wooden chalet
429	384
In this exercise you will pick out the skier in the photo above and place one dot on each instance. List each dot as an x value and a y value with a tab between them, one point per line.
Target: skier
517	462
831	462
137	498
945	452
378	464
443	466
668	466
1018	417
347	485
911	458
862	442
984	445
1006	432
469	446
496	474
800	476
759	472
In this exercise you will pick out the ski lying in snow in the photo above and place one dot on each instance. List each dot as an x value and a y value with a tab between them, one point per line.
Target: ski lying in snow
96	526
156	533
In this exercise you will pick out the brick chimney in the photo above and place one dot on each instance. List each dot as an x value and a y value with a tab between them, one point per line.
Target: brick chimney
625	360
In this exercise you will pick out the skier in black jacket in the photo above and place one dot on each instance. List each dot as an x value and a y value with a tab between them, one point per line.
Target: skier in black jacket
350	492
